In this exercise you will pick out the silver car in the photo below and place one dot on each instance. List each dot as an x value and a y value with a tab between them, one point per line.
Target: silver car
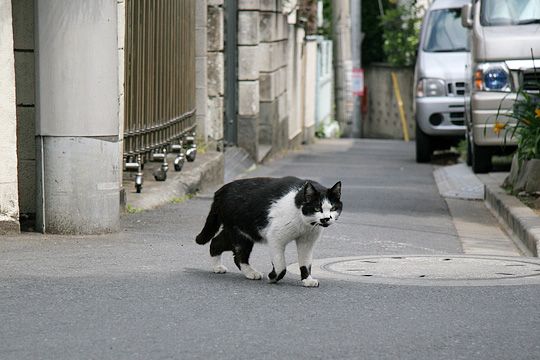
440	79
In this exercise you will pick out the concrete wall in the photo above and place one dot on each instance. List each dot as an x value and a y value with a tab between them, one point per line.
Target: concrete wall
23	36
273	34
310	88
382	119
201	73
9	202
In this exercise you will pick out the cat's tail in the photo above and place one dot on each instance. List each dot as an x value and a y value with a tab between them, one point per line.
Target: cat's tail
210	228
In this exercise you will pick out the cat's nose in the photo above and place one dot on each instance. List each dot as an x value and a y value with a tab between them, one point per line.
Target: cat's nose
325	220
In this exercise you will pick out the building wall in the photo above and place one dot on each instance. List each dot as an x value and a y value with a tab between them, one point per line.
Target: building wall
272	52
23	37
9	203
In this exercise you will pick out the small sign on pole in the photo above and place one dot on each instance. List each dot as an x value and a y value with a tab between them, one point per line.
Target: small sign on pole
358	82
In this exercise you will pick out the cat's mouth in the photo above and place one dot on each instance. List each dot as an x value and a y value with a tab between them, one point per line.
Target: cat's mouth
314	223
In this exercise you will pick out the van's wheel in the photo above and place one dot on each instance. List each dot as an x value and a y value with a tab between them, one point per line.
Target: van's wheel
469	152
481	159
423	146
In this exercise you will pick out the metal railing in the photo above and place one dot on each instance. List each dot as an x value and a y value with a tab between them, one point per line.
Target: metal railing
159	79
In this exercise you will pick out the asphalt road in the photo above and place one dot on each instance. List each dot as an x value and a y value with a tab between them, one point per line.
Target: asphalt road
148	293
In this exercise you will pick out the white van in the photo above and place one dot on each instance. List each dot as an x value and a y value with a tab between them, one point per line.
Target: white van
439	77
504	36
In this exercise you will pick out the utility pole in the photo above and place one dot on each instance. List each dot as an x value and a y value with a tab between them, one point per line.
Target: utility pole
341	23
356	37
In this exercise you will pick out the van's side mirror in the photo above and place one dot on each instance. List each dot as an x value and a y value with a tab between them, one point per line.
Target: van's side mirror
466	16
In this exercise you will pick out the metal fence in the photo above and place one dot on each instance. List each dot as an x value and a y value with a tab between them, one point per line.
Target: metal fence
159	76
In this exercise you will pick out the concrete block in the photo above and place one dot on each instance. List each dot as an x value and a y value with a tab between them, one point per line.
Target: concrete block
23	24
268	119
248	62
201	41
26	130
27	186
24	77
267	87
216	74
273	55
201	75
283	109
248	27
201	96
201	13
281	81
121	24
248	98
214	2
249	4
215	117
268	26
121	75
215	29
121	114
248	135
269	5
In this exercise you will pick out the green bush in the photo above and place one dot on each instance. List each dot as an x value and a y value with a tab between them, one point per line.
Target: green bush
401	31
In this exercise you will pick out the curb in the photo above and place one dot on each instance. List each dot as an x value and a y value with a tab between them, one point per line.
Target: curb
205	172
521	222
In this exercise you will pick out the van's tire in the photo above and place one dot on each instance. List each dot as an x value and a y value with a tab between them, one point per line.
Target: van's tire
481	159
469	152
423	146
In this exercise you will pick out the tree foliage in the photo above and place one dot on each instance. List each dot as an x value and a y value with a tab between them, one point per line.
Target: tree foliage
401	31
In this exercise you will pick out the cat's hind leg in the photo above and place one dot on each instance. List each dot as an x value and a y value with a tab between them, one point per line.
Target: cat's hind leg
219	244
242	247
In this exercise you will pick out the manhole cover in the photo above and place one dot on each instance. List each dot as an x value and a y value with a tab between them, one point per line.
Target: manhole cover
454	270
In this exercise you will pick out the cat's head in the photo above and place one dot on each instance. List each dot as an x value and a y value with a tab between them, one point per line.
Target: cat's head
320	206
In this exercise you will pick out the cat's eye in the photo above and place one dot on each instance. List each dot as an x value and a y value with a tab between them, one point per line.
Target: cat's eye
317	209
333	208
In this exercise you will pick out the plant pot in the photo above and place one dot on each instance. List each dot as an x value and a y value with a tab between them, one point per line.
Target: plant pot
525	177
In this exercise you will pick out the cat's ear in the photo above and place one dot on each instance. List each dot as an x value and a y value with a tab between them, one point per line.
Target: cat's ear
309	192
336	190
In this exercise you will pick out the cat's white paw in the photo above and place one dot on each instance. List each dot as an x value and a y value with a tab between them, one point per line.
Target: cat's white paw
310	282
255	275
220	269
250	272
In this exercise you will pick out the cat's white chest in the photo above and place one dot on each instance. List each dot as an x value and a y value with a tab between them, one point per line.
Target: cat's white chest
285	222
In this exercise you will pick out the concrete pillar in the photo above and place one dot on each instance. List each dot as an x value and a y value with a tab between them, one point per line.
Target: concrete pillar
215	70
201	67
9	201
248	76
77	111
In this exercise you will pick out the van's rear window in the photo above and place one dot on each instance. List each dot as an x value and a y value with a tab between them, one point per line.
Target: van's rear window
445	32
509	12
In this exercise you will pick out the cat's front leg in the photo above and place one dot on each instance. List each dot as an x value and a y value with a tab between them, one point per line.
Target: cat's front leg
279	267
304	247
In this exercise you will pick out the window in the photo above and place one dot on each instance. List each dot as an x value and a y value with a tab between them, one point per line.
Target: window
445	32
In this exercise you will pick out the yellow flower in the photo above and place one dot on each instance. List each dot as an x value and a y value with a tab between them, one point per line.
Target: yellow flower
498	127
537	112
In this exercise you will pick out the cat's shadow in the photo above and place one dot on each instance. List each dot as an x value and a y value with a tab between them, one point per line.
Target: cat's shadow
233	277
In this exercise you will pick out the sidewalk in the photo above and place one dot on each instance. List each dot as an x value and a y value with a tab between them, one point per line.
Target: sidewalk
518	220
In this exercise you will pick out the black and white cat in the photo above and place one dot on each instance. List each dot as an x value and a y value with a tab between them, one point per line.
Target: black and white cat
274	211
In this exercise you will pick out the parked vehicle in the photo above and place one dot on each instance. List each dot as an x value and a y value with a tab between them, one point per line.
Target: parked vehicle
504	36
440	79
